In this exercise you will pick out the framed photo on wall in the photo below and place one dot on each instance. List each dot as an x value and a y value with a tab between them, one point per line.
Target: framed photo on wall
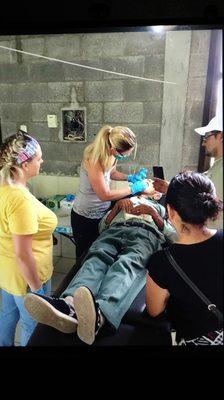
74	125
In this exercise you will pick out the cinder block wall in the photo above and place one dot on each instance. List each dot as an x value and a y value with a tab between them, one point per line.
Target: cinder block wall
31	88
197	77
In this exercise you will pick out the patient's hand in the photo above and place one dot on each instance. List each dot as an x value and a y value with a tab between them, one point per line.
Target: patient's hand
160	185
144	209
124	204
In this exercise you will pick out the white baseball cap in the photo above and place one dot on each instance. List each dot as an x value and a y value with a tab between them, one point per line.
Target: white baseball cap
214	125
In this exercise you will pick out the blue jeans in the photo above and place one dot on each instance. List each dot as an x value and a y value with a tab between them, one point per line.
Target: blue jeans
115	269
13	310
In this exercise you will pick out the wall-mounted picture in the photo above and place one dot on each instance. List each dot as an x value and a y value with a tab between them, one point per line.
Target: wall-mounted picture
74	125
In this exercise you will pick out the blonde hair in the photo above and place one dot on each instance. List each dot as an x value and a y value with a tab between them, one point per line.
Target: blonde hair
9	153
119	138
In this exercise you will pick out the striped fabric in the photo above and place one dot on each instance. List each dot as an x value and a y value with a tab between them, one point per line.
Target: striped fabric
29	151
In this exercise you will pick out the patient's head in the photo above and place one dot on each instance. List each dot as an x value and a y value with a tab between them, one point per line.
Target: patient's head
150	191
192	195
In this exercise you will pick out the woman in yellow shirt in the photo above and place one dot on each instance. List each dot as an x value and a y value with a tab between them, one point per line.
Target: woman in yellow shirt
26	227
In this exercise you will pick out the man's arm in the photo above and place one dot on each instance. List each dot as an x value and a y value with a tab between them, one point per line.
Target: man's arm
124	204
163	225
156	297
145	209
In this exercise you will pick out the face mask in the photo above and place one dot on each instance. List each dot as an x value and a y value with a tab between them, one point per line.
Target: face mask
120	157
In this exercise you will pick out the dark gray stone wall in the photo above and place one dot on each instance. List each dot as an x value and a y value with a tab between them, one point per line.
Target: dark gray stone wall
32	87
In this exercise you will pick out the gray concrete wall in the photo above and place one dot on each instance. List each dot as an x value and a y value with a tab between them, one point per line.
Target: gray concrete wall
31	88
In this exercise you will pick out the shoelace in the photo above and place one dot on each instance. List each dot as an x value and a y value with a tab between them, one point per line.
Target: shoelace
99	319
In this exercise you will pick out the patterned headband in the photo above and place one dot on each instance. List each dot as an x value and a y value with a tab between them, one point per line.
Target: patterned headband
29	151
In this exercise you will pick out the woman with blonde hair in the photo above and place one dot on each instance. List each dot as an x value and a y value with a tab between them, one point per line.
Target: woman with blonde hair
26	227
97	169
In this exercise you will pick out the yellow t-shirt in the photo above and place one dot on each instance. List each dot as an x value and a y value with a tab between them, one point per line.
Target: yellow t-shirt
22	214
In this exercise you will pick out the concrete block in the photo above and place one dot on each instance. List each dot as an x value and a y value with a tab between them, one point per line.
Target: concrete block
13	73
200	41
196	89
136	90
152	112
148	135
92	131
76	73
154	66
34	45
16	112
42	132
133	167
94	112
147	154
123	112
30	92
198	65
144	43
194	113
104	91
133	65
59	167
8	56
64	92
8	128
174	100
191	138
6	93
54	151
190	155
96	45
41	110
64	47
47	72
75	151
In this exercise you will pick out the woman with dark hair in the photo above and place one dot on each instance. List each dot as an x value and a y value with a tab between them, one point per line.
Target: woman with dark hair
191	201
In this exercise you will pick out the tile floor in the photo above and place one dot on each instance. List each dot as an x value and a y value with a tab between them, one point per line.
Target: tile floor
61	267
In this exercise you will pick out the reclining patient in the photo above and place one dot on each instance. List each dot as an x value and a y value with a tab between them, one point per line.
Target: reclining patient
113	272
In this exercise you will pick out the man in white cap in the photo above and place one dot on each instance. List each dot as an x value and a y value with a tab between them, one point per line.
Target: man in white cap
213	143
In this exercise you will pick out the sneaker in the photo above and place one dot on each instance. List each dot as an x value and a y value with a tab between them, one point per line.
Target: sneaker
51	311
88	314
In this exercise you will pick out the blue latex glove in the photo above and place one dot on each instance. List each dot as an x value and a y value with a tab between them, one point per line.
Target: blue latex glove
138	186
39	291
139	176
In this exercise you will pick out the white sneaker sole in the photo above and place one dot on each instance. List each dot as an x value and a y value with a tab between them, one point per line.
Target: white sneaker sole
86	314
45	313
